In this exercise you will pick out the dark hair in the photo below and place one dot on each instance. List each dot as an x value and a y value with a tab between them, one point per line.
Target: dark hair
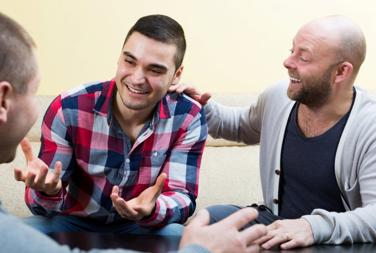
164	29
17	60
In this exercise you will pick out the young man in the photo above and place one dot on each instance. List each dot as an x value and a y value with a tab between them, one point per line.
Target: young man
317	143
19	80
126	154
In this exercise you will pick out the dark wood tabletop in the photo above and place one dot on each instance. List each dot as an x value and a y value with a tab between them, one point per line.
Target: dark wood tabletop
162	244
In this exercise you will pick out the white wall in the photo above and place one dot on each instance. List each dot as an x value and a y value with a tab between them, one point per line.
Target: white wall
233	46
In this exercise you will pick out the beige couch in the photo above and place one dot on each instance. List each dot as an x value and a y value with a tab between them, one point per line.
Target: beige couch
229	171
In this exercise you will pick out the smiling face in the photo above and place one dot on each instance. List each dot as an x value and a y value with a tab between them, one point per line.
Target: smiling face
145	72
312	66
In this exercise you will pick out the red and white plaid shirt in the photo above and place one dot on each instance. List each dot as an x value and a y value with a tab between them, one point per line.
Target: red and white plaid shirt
80	130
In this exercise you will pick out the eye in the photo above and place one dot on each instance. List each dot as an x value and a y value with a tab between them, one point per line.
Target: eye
130	61
303	59
156	71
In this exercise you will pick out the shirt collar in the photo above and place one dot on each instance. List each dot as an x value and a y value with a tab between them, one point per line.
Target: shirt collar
103	104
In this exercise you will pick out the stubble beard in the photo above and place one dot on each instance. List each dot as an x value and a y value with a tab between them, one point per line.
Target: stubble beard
313	93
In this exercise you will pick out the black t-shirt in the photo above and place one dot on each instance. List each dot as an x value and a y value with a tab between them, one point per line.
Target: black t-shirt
307	177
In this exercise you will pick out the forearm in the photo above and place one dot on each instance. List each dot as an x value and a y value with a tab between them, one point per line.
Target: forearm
232	123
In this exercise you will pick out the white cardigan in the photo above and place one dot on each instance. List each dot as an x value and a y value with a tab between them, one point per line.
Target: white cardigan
265	122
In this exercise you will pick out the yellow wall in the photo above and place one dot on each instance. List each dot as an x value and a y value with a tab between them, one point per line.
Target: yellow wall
233	46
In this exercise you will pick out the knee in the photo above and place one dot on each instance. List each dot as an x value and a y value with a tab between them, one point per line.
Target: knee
173	229
219	212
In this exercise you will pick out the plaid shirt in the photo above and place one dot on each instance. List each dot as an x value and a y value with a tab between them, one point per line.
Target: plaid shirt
80	130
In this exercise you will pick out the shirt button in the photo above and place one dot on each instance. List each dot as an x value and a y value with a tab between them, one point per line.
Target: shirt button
127	160
275	201
277	172
155	153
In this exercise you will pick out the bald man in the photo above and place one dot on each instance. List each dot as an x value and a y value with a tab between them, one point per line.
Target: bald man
317	136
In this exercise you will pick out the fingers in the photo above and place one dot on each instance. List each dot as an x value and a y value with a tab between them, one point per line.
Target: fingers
204	98
270	233
41	177
57	172
19	175
121	205
125	210
252	233
263	239
52	184
160	182
30	179
27	150
202	218
290	244
115	193
240	218
276	240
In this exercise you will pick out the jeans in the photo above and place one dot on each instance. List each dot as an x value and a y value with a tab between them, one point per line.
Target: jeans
63	223
265	215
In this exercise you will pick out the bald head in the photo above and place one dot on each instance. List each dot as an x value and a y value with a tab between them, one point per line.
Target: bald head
345	37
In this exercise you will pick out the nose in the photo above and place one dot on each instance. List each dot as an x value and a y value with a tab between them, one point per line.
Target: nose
289	62
138	76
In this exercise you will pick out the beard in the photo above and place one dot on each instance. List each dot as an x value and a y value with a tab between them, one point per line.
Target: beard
313	92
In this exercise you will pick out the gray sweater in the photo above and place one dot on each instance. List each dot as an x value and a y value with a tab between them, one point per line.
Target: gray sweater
18	237
265	122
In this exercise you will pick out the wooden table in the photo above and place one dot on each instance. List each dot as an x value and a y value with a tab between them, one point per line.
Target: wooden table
162	244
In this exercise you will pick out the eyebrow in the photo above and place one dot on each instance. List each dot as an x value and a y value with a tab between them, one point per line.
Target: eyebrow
305	49
152	65
125	53
302	48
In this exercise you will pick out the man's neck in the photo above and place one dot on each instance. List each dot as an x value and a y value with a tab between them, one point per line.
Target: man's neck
314	121
131	121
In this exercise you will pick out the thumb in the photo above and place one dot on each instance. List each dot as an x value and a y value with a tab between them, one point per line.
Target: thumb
201	219
58	168
160	182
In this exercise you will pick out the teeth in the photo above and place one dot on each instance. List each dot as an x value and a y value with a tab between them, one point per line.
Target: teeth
295	80
136	91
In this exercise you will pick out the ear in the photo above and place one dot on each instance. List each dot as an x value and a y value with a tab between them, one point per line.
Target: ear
5	90
177	75
344	72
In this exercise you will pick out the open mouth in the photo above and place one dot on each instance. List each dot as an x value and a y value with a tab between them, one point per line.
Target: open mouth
136	91
295	80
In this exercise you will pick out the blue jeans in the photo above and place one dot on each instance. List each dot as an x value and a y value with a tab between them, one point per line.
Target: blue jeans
219	212
62	223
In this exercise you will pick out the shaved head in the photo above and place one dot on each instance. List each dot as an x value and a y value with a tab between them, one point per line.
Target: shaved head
345	37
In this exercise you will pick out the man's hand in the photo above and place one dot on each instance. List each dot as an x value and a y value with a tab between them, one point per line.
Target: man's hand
191	91
36	174
225	235
288	234
141	206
